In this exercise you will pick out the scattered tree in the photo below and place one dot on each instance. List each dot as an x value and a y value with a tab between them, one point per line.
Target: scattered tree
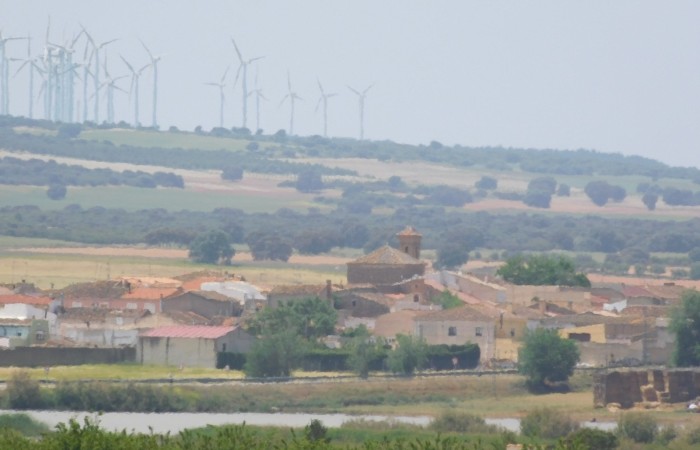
232	173
546	358
541	270
56	192
275	354
650	200
685	324
487	183
268	246
309	318
309	181
409	355
212	247
364	350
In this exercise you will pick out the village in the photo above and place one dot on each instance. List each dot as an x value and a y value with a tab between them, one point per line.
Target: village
191	320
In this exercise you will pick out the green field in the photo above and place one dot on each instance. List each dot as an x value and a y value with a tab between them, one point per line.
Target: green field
134	199
153	139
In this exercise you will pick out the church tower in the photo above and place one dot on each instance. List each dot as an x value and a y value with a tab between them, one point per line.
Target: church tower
409	241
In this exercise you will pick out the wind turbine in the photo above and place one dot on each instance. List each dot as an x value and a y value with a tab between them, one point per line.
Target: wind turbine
4	74
292	96
243	67
135	74
324	99
222	98
96	70
111	86
31	62
258	95
154	64
361	98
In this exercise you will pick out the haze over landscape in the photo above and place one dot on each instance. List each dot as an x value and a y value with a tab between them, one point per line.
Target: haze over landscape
613	77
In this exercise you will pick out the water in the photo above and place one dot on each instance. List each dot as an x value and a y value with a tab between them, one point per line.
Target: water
173	423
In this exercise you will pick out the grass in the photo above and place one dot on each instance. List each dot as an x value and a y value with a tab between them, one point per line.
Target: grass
150	139
130	371
60	270
23	424
134	199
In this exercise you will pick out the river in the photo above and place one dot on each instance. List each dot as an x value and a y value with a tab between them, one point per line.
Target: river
173	423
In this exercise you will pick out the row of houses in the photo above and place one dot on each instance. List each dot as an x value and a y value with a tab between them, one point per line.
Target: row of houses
187	320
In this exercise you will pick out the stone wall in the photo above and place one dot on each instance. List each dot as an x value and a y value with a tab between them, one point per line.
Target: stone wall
644	386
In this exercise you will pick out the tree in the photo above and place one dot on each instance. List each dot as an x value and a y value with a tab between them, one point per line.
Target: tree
212	247
600	192
409	355
232	173
309	318
650	200
56	192
685	324
448	300
544	184
451	256
268	246
275	354
542	270
546	357
364	350
486	182
309	181
537	198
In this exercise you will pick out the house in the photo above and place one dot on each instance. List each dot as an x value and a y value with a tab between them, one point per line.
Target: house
192	346
281	294
102	327
23	332
208	304
386	265
457	326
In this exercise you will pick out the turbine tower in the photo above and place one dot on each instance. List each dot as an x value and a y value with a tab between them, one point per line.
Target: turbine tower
323	99
154	64
135	74
292	96
111	85
32	64
258	95
243	69
96	70
4	74
361	98
222	98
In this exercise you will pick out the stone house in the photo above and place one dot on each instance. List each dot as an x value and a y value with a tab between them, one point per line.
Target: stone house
207	304
387	266
191	346
457	326
281	294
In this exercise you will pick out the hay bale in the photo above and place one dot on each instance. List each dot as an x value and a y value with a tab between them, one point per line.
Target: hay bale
649	393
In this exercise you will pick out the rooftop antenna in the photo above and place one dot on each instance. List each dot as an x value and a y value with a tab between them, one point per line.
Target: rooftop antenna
243	70
361	99
323	99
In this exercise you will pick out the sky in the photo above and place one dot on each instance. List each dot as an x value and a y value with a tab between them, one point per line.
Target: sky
612	76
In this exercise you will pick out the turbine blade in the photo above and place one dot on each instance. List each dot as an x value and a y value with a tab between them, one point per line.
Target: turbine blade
320	87
254	59
318	103
223	77
150	55
238	52
366	90
127	64
354	90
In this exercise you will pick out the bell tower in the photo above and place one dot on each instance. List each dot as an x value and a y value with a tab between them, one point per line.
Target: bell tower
409	241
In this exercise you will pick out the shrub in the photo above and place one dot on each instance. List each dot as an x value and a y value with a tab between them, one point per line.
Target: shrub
591	438
639	427
547	423
23	392
692	437
461	422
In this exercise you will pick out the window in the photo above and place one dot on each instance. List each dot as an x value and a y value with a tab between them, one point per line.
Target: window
452	331
415	298
223	347
479	332
39	336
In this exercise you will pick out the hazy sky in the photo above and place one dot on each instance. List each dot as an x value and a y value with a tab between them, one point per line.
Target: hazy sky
614	76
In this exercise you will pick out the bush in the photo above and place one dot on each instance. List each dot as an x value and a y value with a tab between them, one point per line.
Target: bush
639	427
461	422
591	438
547	423
23	392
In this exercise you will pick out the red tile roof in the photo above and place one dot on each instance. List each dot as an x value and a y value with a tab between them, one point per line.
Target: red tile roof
150	293
24	299
635	291
386	255
184	331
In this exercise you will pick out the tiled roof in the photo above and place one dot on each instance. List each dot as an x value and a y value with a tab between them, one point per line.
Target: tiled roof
635	291
150	293
464	313
299	289
24	299
386	255
391	324
408	231
184	331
